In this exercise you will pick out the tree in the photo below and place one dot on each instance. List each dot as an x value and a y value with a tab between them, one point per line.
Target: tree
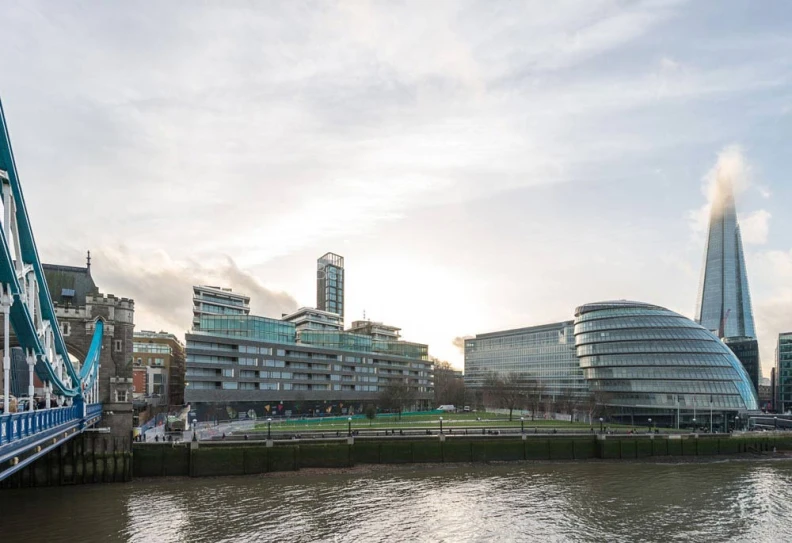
568	403
506	391
534	395
371	413
396	396
596	404
449	387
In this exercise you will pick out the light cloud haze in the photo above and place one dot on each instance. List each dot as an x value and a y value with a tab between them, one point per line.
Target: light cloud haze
480	165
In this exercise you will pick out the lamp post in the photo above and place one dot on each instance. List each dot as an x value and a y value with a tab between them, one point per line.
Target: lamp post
441	425
522	425
736	423
349	426
600	424
269	428
650	425
775	423
694	423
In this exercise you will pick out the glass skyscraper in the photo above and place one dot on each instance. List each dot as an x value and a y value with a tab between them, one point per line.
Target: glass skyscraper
724	305
330	284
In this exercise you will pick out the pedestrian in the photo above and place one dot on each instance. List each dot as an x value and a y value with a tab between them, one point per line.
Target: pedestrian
156	438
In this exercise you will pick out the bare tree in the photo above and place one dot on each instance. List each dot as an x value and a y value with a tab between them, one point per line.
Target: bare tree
506	391
568	403
534	395
596	404
396	396
449	388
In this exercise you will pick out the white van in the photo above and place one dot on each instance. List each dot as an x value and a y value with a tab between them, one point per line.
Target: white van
450	408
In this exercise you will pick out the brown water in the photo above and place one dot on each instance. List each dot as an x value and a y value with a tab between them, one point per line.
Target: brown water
593	501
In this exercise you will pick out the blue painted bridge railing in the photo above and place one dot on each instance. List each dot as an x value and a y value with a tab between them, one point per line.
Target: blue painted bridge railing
18	426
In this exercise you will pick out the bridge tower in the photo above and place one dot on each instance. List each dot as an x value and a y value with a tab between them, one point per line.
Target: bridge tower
78	305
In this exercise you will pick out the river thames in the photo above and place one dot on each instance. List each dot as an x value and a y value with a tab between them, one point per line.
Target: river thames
731	500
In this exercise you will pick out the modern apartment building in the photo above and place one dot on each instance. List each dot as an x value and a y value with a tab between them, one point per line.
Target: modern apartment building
330	284
209	300
250	366
545	354
784	373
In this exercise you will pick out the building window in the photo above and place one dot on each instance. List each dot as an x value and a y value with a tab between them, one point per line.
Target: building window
65	328
119	346
120	395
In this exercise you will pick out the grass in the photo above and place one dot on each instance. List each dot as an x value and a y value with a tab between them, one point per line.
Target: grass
450	421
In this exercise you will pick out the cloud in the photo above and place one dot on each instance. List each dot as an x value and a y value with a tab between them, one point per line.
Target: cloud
731	171
459	342
731	174
755	226
162	287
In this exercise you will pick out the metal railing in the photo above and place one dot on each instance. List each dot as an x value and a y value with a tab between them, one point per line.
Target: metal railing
17	426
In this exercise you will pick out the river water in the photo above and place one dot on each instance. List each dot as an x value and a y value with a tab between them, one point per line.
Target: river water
737	500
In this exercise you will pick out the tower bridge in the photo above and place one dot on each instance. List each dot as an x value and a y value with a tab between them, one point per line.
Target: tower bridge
98	328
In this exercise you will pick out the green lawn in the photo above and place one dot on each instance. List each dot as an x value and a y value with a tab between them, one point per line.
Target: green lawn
450	421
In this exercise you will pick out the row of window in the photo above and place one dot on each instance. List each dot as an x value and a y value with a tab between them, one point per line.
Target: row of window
649	347
635	322
153	348
667	386
664	334
698	359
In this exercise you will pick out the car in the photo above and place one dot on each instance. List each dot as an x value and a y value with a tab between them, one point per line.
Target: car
449	408
466	409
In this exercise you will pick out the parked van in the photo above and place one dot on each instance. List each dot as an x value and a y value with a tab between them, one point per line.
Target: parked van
449	408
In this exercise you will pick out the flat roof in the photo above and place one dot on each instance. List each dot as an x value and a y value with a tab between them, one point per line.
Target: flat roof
527	329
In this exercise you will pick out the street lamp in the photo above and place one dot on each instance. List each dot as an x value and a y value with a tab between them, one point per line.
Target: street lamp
269	428
522	425
694	423
441	425
349	424
775	423
650	425
600	424
736	423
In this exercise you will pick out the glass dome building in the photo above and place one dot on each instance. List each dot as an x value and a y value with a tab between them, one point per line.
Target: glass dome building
645	360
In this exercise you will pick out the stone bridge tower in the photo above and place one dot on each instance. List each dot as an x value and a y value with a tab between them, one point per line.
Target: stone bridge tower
78	305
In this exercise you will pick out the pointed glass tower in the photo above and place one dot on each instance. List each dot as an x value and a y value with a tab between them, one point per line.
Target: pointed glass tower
724	305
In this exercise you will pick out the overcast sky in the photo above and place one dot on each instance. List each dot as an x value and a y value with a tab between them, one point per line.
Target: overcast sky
480	165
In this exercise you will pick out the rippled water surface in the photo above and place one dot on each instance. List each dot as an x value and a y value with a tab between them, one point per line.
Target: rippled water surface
719	501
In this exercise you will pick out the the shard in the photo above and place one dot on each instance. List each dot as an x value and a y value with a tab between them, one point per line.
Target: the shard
724	305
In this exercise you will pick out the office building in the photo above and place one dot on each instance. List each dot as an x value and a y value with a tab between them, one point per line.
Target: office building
330	284
208	300
746	350
249	366
644	361
543	353
784	373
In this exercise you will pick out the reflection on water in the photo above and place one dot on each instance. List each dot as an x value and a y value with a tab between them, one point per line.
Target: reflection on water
719	501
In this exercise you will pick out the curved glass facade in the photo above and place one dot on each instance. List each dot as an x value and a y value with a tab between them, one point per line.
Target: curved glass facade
640	356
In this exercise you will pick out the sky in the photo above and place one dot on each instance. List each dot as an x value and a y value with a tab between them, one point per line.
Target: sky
480	165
